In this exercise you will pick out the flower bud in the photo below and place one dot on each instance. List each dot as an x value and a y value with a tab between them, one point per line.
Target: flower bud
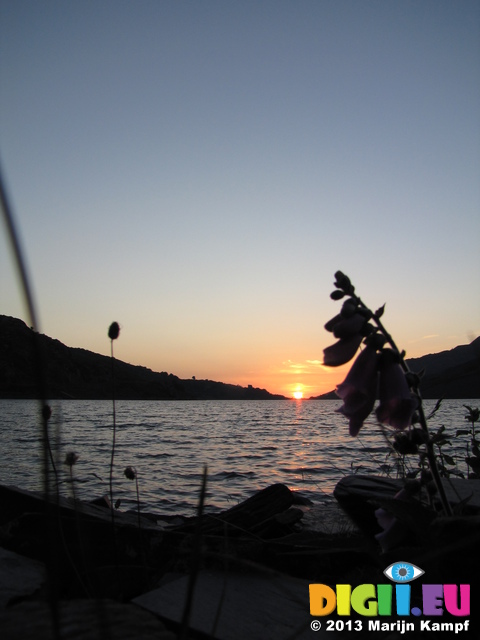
379	312
343	282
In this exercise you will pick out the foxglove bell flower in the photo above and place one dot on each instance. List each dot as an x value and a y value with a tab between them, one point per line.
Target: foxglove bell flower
342	327
350	328
397	403
358	390
342	351
394	530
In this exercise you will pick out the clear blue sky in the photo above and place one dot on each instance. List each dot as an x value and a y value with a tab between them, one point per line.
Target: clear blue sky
198	171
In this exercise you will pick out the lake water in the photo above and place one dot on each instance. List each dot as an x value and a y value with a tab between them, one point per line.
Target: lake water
246	445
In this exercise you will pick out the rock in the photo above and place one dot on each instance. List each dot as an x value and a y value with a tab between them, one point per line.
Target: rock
19	577
82	620
235	606
359	496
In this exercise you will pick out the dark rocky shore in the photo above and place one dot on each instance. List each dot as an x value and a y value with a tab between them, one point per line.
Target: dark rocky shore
81	374
130	576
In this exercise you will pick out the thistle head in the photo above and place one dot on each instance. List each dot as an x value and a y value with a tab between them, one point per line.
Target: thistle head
130	473
114	331
70	459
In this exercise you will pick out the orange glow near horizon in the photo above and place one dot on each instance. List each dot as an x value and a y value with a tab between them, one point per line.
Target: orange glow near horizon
286	377
298	391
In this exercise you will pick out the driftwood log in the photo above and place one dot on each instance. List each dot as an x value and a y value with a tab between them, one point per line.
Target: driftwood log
90	557
266	514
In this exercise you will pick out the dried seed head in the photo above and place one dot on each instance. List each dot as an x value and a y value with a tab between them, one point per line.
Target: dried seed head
114	331
71	458
130	473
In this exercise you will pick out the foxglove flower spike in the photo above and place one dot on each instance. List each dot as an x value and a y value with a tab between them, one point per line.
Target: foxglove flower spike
358	390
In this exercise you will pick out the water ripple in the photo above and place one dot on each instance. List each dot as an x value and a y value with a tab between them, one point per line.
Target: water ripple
245	446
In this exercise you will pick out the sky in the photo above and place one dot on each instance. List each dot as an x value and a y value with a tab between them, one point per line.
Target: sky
198	171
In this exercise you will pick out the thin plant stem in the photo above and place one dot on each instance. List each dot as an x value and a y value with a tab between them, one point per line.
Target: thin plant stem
13	237
39	366
112	505
138	503
195	565
114	425
73	486
80	541
432	462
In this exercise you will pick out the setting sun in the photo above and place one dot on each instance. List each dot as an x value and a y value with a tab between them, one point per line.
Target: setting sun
298	395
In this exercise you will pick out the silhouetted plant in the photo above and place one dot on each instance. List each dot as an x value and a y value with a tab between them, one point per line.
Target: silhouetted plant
473	461
131	474
381	367
113	333
41	381
195	559
70	460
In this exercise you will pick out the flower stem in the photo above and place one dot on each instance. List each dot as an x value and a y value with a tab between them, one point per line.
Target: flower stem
114	425
432	459
422	419
138	504
112	506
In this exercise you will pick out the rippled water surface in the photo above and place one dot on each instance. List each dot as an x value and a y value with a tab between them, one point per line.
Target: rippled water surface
246	446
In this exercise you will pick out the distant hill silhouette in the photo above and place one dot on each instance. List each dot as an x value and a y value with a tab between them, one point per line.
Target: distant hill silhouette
82	374
448	374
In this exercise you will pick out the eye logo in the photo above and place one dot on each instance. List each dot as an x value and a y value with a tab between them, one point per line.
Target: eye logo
403	572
